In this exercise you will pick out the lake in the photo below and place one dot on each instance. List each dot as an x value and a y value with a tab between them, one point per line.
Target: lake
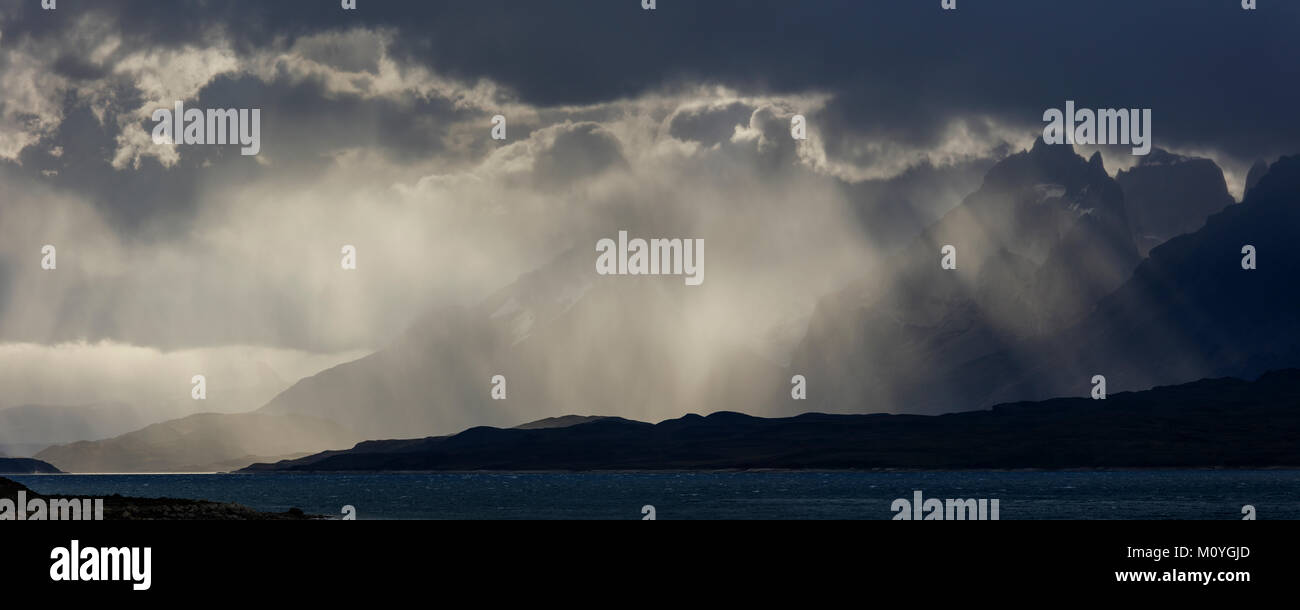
1130	494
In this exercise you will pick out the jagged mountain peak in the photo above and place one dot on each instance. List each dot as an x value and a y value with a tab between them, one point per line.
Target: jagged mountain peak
1096	161
1047	163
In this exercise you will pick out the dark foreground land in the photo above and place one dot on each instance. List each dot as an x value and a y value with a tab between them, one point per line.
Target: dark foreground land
123	508
1209	423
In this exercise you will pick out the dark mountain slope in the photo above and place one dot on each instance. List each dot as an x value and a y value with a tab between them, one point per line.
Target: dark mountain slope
1190	311
1168	195
1043	239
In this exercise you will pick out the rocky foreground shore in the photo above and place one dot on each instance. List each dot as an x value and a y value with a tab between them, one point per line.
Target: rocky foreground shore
118	508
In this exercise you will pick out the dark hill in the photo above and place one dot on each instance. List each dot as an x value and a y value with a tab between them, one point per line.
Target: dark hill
1209	423
26	466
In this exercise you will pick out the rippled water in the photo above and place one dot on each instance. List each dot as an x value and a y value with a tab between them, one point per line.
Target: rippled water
1165	494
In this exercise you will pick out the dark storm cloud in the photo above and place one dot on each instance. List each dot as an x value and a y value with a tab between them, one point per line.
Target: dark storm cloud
152	198
1215	76
152	195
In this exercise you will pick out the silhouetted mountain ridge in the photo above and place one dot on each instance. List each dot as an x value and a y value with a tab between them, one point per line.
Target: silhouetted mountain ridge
1208	423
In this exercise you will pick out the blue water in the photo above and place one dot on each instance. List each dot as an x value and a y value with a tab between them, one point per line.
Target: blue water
1194	494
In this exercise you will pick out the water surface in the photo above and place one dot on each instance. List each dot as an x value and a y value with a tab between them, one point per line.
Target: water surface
1153	494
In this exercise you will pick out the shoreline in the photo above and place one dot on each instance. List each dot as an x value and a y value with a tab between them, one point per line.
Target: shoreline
116	507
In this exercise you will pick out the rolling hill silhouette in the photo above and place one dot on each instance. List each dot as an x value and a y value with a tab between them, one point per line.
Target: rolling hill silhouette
1210	423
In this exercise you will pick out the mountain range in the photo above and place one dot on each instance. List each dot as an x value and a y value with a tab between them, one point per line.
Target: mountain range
1051	287
1039	244
1189	311
1038	247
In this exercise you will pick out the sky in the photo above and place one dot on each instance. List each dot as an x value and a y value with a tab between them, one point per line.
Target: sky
375	132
